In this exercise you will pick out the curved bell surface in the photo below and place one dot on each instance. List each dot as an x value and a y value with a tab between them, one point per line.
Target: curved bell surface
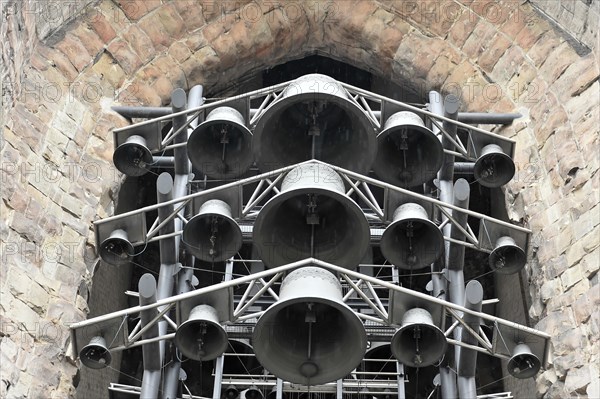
418	342
379	358
231	392
201	337
309	336
240	364
523	363
253	393
412	241
507	257
311	217
213	235
408	153
116	249
133	156
493	168
315	119
95	355
221	146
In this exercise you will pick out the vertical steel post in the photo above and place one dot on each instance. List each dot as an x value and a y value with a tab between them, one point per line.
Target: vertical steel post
279	394
400	379
151	352
338	389
218	377
467	361
445	176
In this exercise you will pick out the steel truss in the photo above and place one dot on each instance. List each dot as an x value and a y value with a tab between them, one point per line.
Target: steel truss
114	325
377	213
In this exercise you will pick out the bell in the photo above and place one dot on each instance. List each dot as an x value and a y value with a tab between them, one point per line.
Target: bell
311	217
507	257
493	168
315	118
419	342
309	336
116	249
95	355
412	241
231	392
378	359
523	363
201	337
213	235
253	393
408	153
133	156
221	146
243	364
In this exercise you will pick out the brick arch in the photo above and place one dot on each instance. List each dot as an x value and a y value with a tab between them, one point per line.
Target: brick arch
500	56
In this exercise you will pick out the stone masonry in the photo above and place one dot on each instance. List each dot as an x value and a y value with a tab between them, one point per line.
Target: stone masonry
64	63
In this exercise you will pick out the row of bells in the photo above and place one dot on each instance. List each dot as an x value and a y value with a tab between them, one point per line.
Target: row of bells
310	336
315	118
311	216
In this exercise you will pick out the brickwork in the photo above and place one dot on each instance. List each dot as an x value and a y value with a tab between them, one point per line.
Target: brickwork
56	146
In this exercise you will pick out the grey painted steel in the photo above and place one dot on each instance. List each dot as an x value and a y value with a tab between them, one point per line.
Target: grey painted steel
168	255
483	118
179	103
466	387
464	167
141	112
448	383
400	380
150	384
451	105
147	292
473	300
218	377
171	380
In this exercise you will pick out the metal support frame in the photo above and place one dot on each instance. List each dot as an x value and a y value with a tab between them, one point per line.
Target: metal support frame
444	120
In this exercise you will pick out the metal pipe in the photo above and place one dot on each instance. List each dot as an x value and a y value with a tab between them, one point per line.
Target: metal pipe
456	253
151	352
161	161
400	380
451	105
484	118
141	112
171	381
465	168
179	103
473	301
448	383
150	384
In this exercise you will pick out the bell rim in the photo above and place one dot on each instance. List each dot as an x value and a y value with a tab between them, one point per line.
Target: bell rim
396	351
505	158
197	133
238	239
347	105
284	196
387	247
92	364
221	331
337	305
119	261
125	165
437	152
508	270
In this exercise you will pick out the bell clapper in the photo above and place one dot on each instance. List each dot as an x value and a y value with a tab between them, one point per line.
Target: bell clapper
200	339
213	236
224	140
417	336
312	219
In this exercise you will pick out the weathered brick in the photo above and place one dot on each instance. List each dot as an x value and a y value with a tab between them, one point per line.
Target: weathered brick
75	51
139	42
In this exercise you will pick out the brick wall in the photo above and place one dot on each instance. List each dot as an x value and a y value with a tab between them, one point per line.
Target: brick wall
56	146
